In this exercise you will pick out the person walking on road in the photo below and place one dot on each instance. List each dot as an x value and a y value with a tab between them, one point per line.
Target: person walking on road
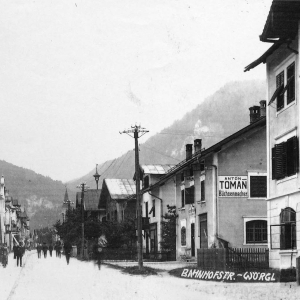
50	249
45	249
19	253
39	250
67	249
15	250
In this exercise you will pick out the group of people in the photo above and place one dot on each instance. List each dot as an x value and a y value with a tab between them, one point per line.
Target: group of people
57	247
44	248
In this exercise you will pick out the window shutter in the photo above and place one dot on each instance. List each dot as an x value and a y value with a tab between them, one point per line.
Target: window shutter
274	175
290	165
296	153
280	150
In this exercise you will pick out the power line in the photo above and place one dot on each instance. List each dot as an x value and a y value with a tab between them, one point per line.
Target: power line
155	150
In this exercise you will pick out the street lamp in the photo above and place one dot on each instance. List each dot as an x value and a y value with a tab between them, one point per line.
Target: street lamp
97	176
83	188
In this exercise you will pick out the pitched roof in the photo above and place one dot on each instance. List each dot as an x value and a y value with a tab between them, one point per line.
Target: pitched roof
215	148
156	169
282	21
91	199
120	188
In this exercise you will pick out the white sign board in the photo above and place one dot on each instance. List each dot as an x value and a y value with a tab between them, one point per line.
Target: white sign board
233	186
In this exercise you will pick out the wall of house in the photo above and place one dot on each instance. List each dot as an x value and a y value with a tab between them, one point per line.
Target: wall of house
281	126
247	155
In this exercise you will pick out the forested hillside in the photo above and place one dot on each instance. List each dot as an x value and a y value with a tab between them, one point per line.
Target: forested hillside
218	116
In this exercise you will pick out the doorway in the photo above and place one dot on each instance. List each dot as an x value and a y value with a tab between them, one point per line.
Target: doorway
192	239
203	231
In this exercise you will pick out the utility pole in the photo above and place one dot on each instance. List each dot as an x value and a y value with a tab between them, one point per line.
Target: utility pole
83	188
138	131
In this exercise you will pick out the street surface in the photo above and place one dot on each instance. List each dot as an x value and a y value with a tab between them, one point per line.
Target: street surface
52	278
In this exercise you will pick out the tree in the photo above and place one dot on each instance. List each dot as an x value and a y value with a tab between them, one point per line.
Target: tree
168	242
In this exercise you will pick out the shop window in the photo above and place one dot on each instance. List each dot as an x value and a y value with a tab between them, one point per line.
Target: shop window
256	231
285	159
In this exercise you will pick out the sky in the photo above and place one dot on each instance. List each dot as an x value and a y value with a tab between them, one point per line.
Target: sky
75	73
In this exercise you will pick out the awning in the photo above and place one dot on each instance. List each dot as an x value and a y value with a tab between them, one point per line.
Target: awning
264	57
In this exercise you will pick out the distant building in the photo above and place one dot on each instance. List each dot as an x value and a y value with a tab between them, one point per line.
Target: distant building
114	195
91	202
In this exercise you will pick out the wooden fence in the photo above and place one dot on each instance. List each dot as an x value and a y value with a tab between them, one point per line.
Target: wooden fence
233	258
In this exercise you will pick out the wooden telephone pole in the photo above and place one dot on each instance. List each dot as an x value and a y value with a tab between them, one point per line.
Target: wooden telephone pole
138	131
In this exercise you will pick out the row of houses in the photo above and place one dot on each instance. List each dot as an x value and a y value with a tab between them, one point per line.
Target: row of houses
14	222
244	191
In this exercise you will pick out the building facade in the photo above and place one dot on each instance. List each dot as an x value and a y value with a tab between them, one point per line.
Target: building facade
283	111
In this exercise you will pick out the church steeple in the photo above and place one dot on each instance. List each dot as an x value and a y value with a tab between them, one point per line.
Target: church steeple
66	198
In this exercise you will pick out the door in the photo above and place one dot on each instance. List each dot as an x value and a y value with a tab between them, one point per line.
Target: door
153	238
193	239
203	231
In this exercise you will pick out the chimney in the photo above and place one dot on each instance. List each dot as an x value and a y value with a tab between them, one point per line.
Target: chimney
254	113
189	150
262	108
197	145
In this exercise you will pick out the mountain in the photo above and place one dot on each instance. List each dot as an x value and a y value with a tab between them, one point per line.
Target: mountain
41	196
218	116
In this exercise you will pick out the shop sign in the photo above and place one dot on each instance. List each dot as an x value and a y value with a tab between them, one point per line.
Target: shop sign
228	276
233	186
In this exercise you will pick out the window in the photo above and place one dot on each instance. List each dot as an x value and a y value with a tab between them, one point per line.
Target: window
285	159
153	208
182	198
286	231
290	83
280	97
190	195
202	166
182	177
183	236
146	182
202	182
257	185
289	88
256	231
146	209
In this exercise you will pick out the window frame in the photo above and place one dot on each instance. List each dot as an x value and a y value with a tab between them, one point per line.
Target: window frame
251	219
284	68
202	188
254	174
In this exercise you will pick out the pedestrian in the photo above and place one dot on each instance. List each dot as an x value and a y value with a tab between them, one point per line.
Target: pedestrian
4	254
14	250
19	253
39	250
59	250
50	249
45	249
98	254
67	249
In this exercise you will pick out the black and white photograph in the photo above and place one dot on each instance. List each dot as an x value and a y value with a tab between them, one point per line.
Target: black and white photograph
149	149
